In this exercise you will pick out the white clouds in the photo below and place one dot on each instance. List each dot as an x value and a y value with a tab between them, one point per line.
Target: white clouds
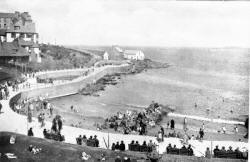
139	22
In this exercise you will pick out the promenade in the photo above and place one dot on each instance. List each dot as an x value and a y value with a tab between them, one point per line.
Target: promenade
13	122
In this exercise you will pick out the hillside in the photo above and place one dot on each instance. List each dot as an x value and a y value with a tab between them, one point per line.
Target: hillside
59	57
53	150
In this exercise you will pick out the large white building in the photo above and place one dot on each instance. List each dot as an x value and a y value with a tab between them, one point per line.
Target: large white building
134	55
18	28
105	56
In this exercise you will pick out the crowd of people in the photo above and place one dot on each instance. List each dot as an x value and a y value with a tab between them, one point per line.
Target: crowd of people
135	146
55	131
229	153
34	149
14	85
50	134
133	121
32	106
83	140
11	85
180	151
118	146
4	91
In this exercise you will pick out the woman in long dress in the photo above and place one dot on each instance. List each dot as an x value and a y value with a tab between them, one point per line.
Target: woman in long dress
30	113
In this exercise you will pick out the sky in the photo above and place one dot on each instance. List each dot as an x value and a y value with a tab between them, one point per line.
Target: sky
138	22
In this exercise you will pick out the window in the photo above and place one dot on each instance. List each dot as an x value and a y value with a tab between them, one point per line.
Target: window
13	35
16	27
21	35
29	35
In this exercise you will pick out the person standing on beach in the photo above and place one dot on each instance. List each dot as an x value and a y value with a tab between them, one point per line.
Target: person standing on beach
185	124
201	132
50	109
30	113
172	124
203	126
168	125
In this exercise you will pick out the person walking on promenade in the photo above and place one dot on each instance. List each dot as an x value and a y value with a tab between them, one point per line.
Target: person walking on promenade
224	129
168	125
29	114
201	132
42	120
236	129
172	124
162	133
30	132
1	106
51	109
3	94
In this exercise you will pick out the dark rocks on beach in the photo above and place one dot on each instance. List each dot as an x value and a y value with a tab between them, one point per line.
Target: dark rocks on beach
100	85
111	79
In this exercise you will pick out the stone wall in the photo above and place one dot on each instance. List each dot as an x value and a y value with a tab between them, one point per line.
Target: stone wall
69	88
62	73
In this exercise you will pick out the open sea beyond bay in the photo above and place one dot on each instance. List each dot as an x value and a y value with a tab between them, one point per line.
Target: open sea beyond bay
215	79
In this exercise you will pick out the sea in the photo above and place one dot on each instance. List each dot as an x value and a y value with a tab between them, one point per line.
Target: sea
216	79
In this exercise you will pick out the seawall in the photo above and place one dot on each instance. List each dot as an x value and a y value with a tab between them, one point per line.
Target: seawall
69	88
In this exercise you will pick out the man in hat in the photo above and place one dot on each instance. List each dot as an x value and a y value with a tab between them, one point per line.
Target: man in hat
122	146
216	151
230	150
96	141
168	149
172	124
117	146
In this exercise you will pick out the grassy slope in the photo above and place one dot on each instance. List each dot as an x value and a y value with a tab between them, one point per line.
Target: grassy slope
53	150
59	57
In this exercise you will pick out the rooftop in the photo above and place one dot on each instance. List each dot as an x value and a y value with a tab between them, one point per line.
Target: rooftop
23	20
131	52
7	15
27	28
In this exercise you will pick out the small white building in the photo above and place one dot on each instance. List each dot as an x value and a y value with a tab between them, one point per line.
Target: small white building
134	55
105	56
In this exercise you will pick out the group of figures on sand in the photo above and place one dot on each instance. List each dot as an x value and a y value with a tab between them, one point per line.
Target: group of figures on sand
133	121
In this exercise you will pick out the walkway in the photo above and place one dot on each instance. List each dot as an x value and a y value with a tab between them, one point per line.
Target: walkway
13	122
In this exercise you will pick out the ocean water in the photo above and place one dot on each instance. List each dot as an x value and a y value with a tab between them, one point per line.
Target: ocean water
214	79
